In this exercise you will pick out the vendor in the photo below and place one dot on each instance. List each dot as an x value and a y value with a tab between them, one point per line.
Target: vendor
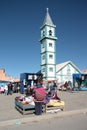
39	96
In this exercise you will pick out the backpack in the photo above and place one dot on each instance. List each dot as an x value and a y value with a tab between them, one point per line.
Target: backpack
40	94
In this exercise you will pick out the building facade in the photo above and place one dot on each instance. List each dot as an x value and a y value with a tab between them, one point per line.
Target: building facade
65	71
4	78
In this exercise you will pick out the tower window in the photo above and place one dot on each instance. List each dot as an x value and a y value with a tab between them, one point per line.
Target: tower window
51	69
50	32
43	45
43	57
50	44
43	33
68	70
43	70
50	56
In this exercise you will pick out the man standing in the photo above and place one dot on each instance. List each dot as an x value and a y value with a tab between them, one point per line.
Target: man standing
10	88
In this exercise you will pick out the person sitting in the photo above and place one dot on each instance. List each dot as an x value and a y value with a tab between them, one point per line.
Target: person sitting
55	96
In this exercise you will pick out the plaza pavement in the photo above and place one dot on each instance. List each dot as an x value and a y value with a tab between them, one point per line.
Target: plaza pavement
75	103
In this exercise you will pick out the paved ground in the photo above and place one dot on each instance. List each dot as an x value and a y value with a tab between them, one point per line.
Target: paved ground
73	101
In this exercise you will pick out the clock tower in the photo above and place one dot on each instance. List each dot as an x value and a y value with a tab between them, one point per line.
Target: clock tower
48	49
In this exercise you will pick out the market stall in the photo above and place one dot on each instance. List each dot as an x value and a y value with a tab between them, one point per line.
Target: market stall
25	105
55	105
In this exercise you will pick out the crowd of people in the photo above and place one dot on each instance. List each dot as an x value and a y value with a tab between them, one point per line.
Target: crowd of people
10	88
39	93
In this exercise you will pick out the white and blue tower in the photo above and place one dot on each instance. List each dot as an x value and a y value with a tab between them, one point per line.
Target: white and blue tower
48	48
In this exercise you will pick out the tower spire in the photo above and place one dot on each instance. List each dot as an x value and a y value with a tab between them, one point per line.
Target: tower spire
47	19
47	9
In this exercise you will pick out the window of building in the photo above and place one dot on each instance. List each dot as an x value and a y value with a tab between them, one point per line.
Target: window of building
50	56
50	44
51	69
43	45
50	32
43	57
43	33
68	70
43	70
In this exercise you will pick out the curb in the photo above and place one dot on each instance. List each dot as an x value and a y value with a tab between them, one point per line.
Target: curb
42	117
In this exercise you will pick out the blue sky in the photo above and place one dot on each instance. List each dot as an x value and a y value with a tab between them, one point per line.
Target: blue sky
20	22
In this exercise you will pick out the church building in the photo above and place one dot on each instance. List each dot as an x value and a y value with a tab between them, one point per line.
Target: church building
51	71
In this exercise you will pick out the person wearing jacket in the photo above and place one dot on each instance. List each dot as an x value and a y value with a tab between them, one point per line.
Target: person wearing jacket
39	96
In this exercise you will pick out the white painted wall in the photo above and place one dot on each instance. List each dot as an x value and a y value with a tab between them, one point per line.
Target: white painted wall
63	75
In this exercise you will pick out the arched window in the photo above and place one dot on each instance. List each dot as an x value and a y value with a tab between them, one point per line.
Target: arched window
50	32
